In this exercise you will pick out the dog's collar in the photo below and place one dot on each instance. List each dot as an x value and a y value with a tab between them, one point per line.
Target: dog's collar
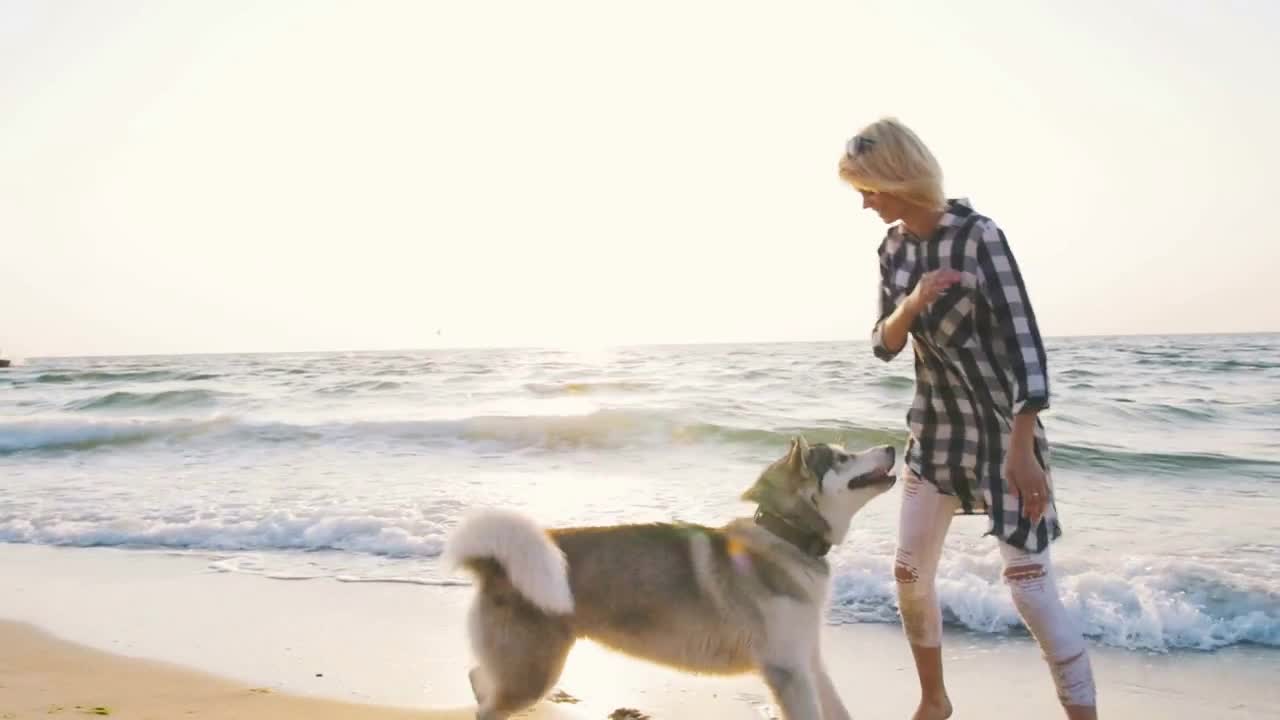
809	542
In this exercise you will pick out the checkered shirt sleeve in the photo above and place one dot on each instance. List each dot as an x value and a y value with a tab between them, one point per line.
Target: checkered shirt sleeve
1016	321
887	305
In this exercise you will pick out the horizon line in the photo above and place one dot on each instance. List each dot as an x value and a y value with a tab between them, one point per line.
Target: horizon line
566	346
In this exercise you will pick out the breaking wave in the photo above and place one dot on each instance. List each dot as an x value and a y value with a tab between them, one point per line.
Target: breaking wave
601	429
1153	604
141	401
403	535
1149	603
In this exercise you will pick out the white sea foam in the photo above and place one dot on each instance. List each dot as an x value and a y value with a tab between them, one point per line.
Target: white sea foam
1145	604
404	536
70	433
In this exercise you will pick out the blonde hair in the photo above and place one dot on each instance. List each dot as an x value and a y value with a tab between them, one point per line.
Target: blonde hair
886	156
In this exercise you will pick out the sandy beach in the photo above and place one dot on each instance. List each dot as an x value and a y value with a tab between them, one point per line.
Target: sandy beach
42	676
153	635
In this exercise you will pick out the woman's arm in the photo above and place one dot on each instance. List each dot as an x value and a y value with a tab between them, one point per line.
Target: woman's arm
1002	284
1016	322
890	334
894	323
883	349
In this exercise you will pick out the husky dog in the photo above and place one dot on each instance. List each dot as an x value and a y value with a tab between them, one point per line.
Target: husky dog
745	597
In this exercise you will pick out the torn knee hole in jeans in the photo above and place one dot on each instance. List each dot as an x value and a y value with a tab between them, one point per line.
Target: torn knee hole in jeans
1068	661
1074	679
1024	573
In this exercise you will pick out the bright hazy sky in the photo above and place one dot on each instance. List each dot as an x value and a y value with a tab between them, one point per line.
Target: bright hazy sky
250	176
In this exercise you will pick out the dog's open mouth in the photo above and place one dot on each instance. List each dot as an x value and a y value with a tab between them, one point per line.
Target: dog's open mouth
878	476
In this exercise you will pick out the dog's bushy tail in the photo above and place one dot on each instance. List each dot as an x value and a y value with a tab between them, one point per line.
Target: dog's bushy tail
534	564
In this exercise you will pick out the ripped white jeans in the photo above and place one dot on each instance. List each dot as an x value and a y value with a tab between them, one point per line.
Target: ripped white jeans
925	517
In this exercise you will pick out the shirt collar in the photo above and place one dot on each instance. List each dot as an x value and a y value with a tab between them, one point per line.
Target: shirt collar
956	211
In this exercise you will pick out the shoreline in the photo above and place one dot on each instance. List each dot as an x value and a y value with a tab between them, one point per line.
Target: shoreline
152	635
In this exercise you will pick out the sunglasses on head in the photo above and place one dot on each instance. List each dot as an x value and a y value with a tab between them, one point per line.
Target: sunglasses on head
858	145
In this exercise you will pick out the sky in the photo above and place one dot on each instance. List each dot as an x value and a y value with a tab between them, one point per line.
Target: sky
240	176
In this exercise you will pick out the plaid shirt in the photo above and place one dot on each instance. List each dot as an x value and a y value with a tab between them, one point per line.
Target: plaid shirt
979	361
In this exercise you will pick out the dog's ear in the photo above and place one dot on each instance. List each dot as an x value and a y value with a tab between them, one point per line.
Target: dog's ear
798	469
788	470
798	457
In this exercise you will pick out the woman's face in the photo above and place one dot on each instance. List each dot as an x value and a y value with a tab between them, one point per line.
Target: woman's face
889	208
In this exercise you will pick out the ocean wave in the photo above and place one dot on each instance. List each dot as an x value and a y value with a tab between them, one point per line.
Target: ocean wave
360	386
1128	462
1076	373
416	368
1212	365
621	428
602	429
80	435
1128	410
97	376
402	535
589	387
1151	604
164	400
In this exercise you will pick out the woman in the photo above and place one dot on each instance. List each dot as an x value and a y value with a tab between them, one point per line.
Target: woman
949	279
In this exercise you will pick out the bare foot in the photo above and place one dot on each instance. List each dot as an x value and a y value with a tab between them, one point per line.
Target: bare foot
933	709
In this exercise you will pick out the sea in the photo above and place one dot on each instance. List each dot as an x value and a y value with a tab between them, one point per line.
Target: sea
354	466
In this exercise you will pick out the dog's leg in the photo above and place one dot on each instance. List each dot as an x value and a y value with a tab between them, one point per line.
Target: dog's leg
832	707
518	689
794	690
498	701
521	657
479	686
490	704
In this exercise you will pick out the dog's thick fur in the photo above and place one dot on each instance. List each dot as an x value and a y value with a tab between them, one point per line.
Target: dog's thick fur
734	599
